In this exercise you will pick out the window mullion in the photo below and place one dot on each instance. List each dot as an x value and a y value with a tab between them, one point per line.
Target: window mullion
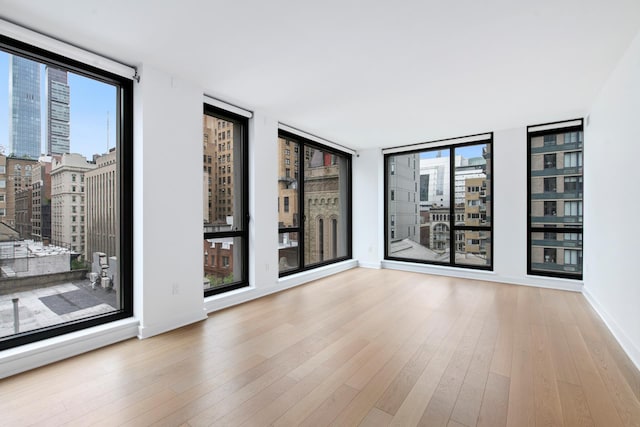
452	205
302	215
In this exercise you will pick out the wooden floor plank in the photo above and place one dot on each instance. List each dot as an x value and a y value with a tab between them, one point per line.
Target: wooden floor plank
601	406
575	409
469	401
545	388
623	397
413	407
376	418
331	407
495	401
521	407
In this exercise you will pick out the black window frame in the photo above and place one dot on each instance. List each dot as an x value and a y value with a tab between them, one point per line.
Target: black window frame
243	233
303	144
560	127
125	190
452	189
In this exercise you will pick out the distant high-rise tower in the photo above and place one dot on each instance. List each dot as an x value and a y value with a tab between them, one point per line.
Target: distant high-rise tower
24	107
57	111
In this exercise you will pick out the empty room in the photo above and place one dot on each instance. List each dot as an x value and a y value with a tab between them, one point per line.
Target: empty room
319	213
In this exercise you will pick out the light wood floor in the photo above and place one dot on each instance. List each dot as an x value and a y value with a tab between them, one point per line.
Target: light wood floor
365	347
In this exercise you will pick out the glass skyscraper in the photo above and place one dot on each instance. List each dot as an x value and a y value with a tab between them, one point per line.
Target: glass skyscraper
57	111
24	107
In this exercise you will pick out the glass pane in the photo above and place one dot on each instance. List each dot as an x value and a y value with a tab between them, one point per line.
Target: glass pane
418	206
222	174
288	164
557	252
473	186
325	205
222	262
558	212
60	250
473	247
556	179
288	252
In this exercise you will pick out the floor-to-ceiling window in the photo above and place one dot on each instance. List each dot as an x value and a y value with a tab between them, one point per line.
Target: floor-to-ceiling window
314	204
66	194
555	199
226	196
438	202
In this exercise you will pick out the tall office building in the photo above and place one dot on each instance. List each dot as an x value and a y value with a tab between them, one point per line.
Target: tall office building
219	174
57	111
434	182
404	197
24	107
288	175
18	178
101	219
68	201
41	203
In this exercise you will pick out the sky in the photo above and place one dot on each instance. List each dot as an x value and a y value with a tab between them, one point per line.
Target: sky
467	151
90	103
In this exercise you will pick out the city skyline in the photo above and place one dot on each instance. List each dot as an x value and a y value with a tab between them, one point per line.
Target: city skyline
91	103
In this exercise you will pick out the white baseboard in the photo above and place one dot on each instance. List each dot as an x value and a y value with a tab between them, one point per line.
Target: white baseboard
147	331
489	276
625	342
34	355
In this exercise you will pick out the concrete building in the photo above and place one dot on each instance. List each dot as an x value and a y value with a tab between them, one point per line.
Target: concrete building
27	258
467	169
434	181
556	193
3	188
475	214
439	231
68	212
18	177
221	209
288	182
58	101
100	229
218	261
323	206
218	171
24	203
41	203
404	197
288	215
24	107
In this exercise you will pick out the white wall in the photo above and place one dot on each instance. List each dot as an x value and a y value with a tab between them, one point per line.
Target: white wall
168	202
612	156
368	223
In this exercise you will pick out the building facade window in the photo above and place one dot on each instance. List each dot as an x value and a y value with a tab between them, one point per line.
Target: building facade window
44	89
226	216
550	185
451	188
558	212
315	224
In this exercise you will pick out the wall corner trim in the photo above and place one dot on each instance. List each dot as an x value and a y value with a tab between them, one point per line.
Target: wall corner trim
147	331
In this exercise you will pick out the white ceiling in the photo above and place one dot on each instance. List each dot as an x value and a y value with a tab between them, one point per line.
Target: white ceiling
364	73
